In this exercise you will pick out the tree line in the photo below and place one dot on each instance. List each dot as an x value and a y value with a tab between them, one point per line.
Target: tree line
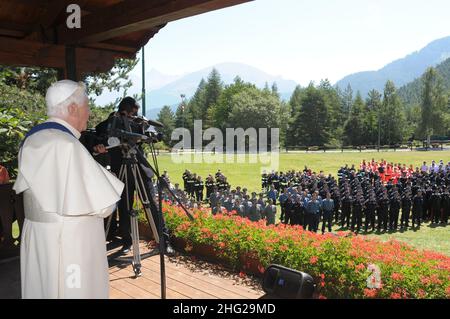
316	115
319	114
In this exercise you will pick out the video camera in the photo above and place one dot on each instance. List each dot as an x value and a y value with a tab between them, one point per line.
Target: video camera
133	130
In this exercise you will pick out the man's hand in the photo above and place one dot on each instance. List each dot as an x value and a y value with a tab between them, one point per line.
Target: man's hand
100	149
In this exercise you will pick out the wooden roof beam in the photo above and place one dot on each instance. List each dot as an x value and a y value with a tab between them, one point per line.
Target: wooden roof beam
28	53
135	15
12	29
44	30
54	9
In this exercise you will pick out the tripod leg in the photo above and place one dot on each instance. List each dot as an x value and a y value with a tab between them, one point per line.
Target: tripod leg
133	221
145	199
122	177
135	239
108	224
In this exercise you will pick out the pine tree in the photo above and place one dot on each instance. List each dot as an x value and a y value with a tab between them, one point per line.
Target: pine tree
198	101
275	90
336	118
183	117
266	87
295	101
354	129
392	116
310	126
167	118
213	90
372	117
347	102
433	105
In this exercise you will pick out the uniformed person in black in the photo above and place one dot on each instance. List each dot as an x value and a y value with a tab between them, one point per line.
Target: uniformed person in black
337	203
358	206
347	202
445	205
218	174
427	203
191	185
435	205
289	210
383	208
394	210
283	182
406	208
185	177
264	179
297	212
276	181
283	200
198	186
417	209
370	208
224	185
209	186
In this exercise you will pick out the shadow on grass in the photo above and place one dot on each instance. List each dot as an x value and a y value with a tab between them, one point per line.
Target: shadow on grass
436	225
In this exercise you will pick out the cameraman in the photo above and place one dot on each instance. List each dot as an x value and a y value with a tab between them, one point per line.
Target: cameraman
123	120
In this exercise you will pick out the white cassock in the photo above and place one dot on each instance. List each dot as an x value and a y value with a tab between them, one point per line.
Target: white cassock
67	194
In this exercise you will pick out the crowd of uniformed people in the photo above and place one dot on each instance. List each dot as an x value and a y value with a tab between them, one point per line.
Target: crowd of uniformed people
376	196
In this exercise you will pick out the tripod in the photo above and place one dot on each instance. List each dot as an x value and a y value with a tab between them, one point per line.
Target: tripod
131	173
130	170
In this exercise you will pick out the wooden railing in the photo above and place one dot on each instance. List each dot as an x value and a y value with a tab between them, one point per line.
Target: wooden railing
11	210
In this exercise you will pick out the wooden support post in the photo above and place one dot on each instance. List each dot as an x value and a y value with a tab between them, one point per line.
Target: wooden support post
61	74
71	66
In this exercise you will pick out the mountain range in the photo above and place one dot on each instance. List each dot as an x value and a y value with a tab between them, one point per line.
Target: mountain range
187	84
167	89
411	92
401	71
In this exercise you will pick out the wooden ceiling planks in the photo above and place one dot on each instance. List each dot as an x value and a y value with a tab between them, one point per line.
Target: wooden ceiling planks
140	15
34	32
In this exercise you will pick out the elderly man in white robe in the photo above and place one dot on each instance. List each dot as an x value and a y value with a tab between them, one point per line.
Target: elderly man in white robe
67	194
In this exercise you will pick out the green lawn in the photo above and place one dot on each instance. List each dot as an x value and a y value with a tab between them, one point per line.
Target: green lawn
429	237
248	175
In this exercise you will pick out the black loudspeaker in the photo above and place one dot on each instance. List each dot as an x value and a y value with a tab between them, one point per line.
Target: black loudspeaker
286	283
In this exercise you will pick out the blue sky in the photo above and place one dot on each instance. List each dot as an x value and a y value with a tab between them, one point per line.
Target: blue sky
301	40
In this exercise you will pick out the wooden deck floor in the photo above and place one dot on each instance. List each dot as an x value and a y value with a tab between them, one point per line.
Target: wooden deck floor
185	279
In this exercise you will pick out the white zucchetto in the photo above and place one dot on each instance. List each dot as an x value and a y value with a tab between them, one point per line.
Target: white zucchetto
60	91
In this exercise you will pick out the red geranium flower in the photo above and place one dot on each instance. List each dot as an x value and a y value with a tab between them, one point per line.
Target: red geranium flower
370	293
395	295
396	276
421	293
360	267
